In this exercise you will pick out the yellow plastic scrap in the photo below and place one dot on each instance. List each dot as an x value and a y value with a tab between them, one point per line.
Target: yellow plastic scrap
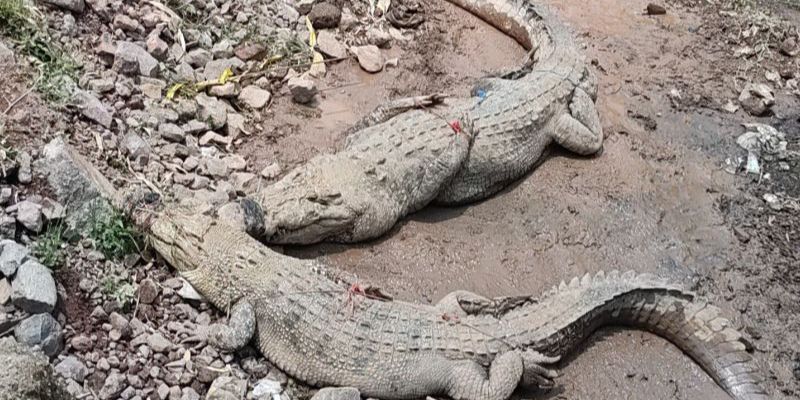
312	34
173	90
225	76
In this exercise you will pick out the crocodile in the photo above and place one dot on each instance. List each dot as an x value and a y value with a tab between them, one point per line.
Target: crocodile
412	152
326	332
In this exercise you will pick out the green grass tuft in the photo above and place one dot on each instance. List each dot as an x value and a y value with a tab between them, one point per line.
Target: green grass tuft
113	235
48	247
123	292
57	71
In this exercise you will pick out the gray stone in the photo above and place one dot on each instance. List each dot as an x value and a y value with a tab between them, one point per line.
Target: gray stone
325	15
134	146
369	58
249	51
329	45
337	393
226	388
8	226
266	389
212	111
757	99
303	89
255	97
271	171
172	133
53	210
29	214
198	58
214	69
33	288
213	137
120	323
215	167
13	255
227	90
72	368
92	108
101	85
126	23
113	386
76	183
25	173
235	162
185	72
148	291
188	292
189	394
131	59
6	194
6	55
81	343
159	343
72	5
241	181
194	127
379	37
157	47
40	330
222	49
5	291
304	6
232	214
19	366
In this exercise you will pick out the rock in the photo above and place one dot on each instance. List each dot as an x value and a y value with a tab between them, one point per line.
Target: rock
29	214
214	69
13	255
91	108
379	37
5	195
757	99
271	171
227	388
255	97
131	59
198	58
215	167
348	22
72	368
8	226
24	174
72	5
213	137
6	55
304	6
194	127
40	330
33	288
102	85
158	343
188	292
303	89
189	394
157	47
76	183
113	386
267	389
227	90
5	291
730	107
369	58
81	343
222	49
790	47
20	366
325	16
236	125
120	323
171	133
241	180
53	210
211	110
134	146
249	51
655	9
126	23
148	291
337	393
329	45
185	72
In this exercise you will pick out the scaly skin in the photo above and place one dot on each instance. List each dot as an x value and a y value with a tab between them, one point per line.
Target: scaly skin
398	160
325	334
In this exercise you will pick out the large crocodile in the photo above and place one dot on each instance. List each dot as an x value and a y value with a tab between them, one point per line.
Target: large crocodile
399	159
327	333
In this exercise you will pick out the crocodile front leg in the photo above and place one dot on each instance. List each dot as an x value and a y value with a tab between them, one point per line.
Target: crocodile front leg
393	108
468	380
238	331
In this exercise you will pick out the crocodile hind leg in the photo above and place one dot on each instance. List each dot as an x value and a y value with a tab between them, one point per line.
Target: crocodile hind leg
238	331
462	303
580	131
468	380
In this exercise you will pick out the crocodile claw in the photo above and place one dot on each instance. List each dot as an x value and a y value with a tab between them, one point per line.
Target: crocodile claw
535	374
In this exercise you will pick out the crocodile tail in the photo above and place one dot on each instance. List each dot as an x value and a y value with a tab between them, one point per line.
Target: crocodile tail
573	311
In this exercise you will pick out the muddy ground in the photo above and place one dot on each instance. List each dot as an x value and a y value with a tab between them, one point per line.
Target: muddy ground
658	199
